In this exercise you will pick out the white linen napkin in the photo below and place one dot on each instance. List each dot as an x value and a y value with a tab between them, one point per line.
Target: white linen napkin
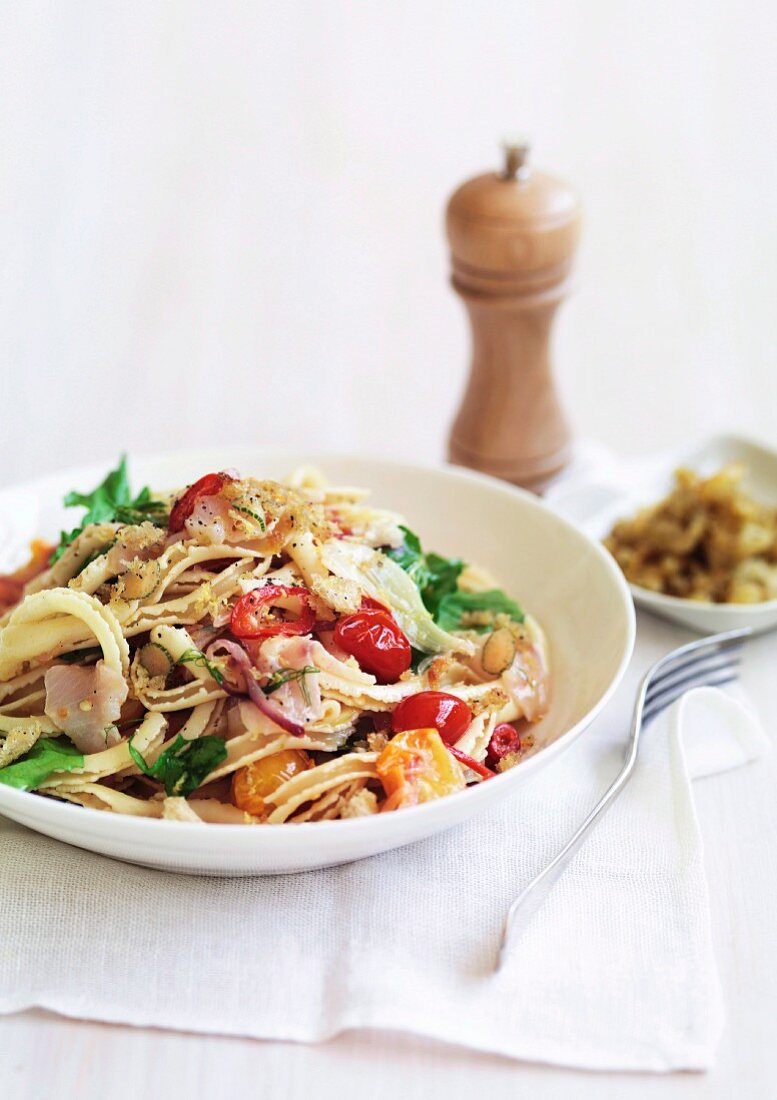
616	971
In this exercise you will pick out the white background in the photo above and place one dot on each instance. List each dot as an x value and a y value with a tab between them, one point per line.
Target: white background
223	221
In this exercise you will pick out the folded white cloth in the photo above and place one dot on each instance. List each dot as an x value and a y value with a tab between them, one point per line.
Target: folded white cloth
616	971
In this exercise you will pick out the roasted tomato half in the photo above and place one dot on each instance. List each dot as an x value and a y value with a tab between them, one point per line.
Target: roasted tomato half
263	612
505	740
253	783
208	486
450	716
373	637
415	766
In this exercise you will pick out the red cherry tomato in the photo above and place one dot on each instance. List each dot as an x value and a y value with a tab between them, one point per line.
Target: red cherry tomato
504	740
447	714
368	604
207	486
373	637
252	615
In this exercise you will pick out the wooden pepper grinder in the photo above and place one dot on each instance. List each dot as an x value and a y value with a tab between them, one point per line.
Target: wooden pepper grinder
512	236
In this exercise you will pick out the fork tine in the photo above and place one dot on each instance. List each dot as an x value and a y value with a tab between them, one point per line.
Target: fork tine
683	667
706	648
661	702
691	670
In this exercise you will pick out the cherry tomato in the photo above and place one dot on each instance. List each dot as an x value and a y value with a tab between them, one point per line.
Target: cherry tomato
368	604
252	615
207	486
253	783
447	714
416	767
504	740
373	637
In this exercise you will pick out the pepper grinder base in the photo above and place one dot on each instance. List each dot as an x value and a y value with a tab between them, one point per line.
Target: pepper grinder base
534	474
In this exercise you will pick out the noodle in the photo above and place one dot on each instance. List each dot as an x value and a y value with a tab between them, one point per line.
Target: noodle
197	666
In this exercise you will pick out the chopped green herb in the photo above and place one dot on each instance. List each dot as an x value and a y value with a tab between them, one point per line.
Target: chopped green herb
195	657
47	755
112	502
184	764
435	576
250	512
288	676
458	604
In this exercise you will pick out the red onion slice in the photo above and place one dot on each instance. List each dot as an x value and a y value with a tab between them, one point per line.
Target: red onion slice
272	710
239	656
249	685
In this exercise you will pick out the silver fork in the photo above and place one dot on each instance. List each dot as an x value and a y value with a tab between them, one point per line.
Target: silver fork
708	662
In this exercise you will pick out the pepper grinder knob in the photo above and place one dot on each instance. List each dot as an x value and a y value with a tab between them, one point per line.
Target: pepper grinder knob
512	236
516	151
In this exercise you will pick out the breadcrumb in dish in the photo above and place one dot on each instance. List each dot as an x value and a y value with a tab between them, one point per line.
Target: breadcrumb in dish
707	541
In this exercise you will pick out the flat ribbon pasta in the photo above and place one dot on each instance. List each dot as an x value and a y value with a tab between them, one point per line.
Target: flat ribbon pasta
112	761
55	621
96	796
310	785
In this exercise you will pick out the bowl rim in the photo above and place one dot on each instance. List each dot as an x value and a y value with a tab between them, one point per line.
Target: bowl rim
648	596
115	825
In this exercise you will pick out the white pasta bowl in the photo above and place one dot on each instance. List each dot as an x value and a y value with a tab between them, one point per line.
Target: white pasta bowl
561	575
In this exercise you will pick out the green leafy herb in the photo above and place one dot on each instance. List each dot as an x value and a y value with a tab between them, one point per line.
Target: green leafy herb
184	764
195	657
112	502
77	655
455	605
443	580
288	676
411	557
47	755
435	576
438	579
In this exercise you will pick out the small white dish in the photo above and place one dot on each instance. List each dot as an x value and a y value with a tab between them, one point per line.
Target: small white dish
595	504
567	580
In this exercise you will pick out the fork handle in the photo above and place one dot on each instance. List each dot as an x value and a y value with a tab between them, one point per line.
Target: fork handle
522	910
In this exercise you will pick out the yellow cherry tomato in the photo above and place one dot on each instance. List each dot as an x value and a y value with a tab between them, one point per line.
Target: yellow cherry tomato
253	783
415	766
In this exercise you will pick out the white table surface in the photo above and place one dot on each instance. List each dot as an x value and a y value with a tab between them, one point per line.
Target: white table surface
44	1056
